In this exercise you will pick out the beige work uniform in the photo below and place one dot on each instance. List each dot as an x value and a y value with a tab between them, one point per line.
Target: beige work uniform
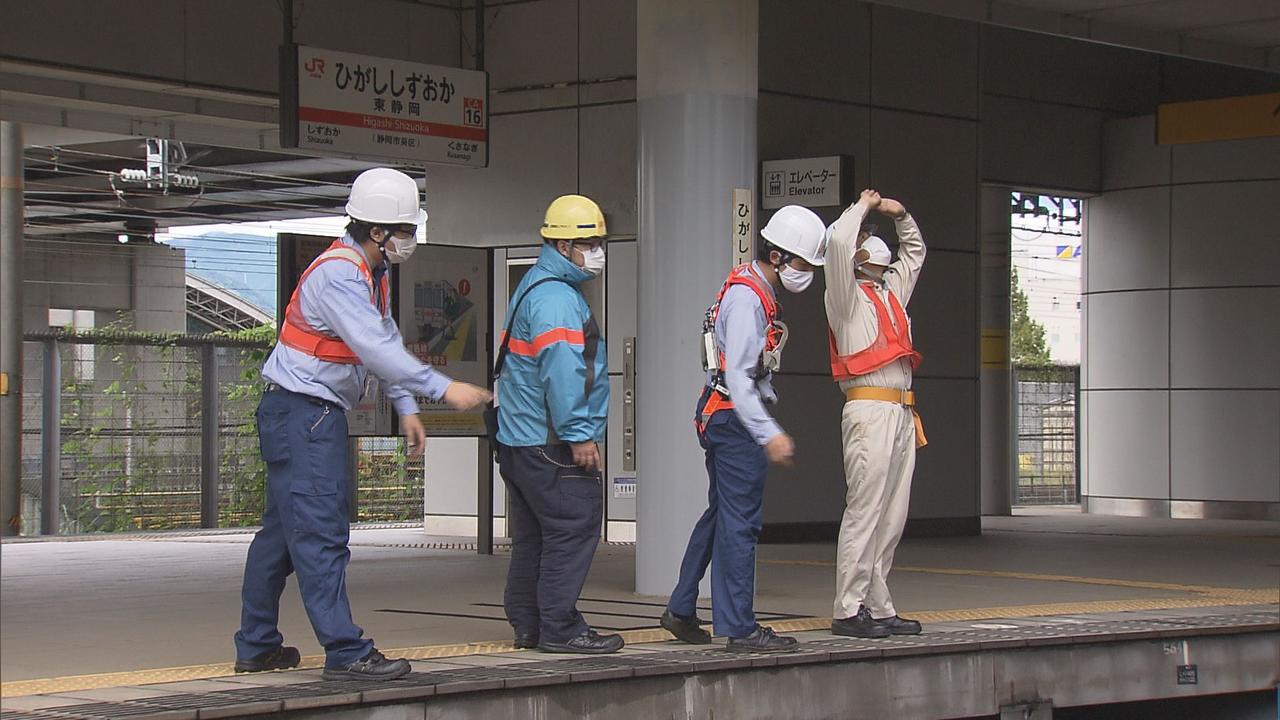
879	437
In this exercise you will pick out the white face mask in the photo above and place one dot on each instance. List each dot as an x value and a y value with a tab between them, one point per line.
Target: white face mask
794	280
398	249
593	260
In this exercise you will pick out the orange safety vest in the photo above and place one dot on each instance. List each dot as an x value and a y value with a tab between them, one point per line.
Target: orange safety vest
741	275
299	335
893	342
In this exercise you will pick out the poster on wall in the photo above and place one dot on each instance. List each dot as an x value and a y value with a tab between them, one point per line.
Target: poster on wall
444	315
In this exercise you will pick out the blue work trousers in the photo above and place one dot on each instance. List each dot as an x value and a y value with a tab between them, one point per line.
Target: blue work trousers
555	509
304	529
726	534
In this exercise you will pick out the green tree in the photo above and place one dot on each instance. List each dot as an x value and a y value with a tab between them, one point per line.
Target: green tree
1026	336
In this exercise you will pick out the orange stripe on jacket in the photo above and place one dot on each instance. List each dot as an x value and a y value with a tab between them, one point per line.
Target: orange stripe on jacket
546	339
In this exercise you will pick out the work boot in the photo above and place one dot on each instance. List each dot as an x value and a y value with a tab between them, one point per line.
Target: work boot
525	641
763	640
687	629
900	625
277	658
589	643
374	666
861	625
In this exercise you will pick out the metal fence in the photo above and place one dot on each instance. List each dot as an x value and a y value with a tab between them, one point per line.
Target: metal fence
1046	417
124	431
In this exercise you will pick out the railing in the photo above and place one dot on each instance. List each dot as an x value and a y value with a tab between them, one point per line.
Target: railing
132	431
1046	419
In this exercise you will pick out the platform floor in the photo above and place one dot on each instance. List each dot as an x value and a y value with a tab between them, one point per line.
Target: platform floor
82	614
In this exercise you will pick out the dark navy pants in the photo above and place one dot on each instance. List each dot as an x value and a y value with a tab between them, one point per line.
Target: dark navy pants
726	534
304	529
555	509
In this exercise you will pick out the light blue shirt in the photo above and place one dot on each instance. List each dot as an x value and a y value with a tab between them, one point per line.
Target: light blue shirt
740	333
335	300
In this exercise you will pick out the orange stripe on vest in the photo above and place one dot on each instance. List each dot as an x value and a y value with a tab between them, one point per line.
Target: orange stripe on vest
545	340
891	344
299	335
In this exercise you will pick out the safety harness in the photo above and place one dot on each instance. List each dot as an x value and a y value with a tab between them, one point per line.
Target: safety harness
299	335
892	342
713	359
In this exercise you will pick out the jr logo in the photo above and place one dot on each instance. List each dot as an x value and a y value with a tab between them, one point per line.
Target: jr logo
315	67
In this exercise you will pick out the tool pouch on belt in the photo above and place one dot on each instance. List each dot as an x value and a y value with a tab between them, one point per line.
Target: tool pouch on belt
491	411
921	440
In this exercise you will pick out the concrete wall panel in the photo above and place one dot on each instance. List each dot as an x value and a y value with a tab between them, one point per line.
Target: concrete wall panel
924	62
252	61
1127	247
1129	340
376	27
1133	159
607	39
1219	434
607	164
1128	444
530	43
1035	144
78	38
946	478
504	203
944	315
930	164
813	489
1225	338
1066	71
622	271
1225	234
1255	159
791	31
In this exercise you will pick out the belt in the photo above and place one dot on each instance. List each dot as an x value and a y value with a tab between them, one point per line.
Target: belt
902	397
905	398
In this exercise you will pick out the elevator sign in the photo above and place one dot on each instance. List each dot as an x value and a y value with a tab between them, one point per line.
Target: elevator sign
369	107
811	182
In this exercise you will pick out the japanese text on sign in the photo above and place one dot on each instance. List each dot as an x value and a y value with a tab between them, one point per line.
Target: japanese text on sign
743	219
812	182
385	108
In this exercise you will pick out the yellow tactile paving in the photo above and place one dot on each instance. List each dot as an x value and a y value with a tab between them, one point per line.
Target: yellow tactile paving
1201	596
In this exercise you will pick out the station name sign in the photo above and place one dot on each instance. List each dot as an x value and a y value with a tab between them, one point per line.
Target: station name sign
811	182
379	108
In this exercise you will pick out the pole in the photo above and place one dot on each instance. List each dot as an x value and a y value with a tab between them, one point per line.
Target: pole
484	470
51	440
11	266
209	455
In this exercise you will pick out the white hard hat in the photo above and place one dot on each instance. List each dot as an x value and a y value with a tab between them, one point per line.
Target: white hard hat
880	254
386	197
798	231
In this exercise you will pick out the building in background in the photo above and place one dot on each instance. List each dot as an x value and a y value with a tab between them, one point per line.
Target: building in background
1047	235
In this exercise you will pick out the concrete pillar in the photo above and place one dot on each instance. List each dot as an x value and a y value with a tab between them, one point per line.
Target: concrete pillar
995	383
696	91
11	223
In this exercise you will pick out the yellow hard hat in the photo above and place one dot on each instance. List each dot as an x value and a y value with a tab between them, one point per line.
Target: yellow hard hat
570	217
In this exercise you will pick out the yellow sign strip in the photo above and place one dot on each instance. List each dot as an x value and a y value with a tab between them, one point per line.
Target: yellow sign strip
1231	118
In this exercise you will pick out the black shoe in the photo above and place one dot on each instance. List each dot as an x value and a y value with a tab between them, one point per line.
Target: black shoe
763	640
279	658
374	666
861	625
525	641
589	643
900	625
687	629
